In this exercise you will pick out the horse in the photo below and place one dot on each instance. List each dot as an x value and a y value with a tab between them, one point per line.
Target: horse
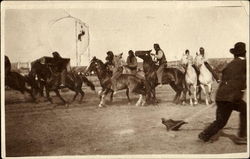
16	81
205	78
190	78
172	76
51	80
125	81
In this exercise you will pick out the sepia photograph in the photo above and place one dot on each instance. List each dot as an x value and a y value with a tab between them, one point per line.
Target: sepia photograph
125	79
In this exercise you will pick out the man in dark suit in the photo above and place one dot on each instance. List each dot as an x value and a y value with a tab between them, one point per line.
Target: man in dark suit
229	96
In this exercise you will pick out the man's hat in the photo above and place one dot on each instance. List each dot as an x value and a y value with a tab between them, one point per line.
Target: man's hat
239	49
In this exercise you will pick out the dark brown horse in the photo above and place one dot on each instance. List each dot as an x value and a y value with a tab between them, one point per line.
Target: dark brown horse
15	80
126	81
172	76
50	80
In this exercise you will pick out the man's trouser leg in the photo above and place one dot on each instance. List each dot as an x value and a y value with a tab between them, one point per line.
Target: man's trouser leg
212	71
223	112
241	107
159	73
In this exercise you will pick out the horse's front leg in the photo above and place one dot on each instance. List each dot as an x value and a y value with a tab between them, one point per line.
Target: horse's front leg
76	94
111	96
195	95
48	95
82	95
127	93
102	102
204	91
190	95
59	95
172	84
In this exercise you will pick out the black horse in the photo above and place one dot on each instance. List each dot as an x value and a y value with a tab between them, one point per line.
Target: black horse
16	81
172	76
50	80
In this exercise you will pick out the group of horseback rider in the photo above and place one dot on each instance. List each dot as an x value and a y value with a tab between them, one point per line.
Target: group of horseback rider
202	53
160	59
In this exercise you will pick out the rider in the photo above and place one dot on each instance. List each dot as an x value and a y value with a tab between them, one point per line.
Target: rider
190	58
160	56
131	62
117	71
109	60
202	53
60	67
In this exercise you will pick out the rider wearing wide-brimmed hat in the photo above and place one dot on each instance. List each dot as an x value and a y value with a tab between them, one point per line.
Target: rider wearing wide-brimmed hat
202	53
229	96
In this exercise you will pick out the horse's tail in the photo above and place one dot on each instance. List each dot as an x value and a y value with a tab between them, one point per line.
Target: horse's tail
88	83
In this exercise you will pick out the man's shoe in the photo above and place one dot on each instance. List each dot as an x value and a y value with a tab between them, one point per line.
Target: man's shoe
241	141
115	92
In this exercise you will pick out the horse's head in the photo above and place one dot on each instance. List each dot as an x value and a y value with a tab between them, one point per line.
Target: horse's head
144	55
95	64
198	60
185	60
118	62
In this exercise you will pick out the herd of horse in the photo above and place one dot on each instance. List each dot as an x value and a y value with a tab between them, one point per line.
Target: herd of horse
143	83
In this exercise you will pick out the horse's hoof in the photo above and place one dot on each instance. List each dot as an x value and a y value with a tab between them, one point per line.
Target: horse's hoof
101	105
67	105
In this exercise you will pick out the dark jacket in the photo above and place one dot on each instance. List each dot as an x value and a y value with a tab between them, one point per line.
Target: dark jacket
163	58
132	62
109	60
233	81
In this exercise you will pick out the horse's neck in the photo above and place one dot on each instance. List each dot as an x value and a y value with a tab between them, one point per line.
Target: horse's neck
204	71
190	69
101	74
148	66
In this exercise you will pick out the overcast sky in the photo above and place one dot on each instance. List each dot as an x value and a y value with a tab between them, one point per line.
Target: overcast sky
121	26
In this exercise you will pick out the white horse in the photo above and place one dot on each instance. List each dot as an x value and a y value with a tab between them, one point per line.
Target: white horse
190	78
205	78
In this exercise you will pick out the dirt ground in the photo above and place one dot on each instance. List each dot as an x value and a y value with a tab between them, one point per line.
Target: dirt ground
46	129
